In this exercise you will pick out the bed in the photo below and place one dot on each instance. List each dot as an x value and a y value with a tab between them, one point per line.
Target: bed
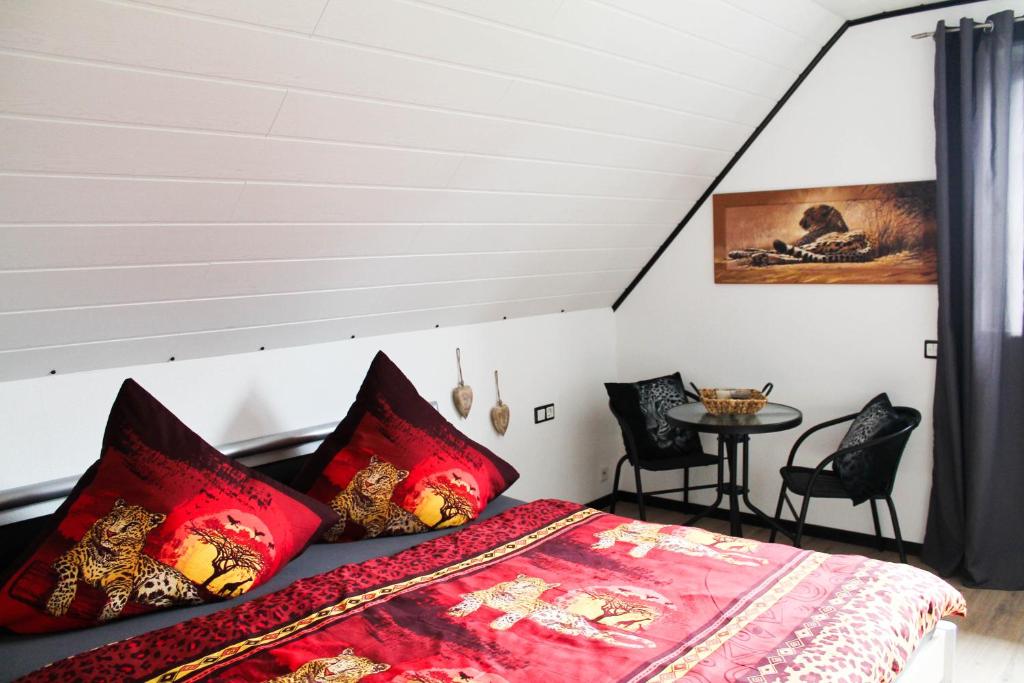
547	590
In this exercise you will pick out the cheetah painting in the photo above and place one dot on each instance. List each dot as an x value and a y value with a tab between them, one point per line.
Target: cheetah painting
854	234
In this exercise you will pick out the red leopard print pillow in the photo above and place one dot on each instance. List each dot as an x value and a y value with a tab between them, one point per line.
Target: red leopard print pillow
161	519
395	466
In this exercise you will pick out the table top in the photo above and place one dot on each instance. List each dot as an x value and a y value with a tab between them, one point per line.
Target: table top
774	417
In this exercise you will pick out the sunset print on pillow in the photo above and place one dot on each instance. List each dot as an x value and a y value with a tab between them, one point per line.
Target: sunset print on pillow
161	520
395	466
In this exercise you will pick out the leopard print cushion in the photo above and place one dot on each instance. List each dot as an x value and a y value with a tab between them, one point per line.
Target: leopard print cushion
643	406
658	396
860	474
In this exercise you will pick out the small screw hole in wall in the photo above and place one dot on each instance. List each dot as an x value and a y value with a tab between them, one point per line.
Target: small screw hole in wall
263	348
171	358
352	337
53	372
436	326
504	317
563	310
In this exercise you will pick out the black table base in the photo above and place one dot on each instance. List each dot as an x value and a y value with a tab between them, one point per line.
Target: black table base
735	490
732	431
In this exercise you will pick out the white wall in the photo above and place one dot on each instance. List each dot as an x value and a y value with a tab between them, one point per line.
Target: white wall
863	116
53	426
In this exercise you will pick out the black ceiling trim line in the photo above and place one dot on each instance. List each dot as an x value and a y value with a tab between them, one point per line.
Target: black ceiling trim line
732	162
892	14
768	119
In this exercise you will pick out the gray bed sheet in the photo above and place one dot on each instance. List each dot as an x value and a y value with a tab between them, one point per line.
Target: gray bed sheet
22	654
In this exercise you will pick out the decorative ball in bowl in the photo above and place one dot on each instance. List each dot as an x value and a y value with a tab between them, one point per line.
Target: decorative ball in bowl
733	401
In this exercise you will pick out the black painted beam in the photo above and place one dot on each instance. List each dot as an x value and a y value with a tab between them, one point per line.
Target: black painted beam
928	7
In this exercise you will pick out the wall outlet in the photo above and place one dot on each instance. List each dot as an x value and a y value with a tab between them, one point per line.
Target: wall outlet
604	474
544	413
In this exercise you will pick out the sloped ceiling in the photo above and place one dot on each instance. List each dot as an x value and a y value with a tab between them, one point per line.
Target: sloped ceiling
183	178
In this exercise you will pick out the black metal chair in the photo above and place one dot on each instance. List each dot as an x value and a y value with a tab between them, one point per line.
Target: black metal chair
878	459
643	454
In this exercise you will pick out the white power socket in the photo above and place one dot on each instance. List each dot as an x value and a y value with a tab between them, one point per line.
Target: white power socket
604	474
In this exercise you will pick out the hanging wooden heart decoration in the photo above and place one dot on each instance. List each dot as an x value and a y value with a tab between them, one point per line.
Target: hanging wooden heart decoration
462	395
499	413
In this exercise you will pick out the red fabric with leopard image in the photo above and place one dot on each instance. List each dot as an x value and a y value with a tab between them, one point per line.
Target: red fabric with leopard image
554	591
161	519
395	466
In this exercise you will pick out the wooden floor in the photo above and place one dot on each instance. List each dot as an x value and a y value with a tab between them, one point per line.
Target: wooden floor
990	641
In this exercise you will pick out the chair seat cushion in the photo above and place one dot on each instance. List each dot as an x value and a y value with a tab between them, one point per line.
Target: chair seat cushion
661	464
826	485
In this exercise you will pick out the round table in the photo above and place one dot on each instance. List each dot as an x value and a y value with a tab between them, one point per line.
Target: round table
733	430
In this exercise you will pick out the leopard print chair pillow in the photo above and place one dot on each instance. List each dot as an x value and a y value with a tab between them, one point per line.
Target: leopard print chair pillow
642	406
859	471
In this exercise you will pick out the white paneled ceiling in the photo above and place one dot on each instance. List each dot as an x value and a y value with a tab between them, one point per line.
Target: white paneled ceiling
183	178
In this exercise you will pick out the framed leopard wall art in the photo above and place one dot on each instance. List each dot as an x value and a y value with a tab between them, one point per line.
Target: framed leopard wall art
855	234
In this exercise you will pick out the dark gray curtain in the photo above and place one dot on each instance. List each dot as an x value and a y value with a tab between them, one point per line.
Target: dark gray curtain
976	515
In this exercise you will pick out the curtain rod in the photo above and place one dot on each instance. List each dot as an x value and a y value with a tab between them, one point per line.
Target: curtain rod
985	26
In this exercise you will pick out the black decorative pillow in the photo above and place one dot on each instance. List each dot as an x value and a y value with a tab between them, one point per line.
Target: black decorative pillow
861	475
642	405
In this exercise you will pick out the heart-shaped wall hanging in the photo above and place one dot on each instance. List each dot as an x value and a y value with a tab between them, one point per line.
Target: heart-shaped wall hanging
462	395
499	413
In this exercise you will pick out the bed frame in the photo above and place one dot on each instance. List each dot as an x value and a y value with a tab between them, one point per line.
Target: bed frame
935	658
24	511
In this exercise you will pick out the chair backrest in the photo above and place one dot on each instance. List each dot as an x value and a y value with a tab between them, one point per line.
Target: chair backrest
628	437
878	463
